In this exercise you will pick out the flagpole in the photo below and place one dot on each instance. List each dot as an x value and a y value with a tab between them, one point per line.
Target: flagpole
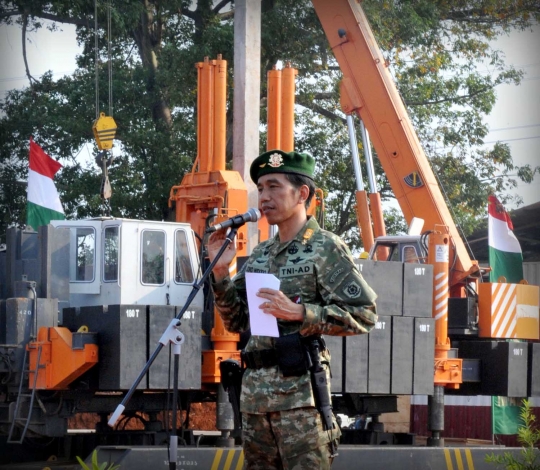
492	421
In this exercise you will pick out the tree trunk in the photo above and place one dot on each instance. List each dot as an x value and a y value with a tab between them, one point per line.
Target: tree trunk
147	36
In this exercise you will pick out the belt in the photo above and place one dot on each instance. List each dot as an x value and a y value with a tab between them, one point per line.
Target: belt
259	358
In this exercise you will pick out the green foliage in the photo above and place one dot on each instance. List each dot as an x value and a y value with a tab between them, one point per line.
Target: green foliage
96	465
435	50
529	438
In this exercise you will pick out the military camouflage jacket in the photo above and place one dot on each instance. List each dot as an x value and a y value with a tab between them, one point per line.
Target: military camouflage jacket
316	269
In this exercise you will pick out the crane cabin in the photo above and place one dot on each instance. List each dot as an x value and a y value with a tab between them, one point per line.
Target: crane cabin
123	261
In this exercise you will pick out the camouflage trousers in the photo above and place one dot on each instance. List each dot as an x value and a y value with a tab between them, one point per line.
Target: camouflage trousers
287	440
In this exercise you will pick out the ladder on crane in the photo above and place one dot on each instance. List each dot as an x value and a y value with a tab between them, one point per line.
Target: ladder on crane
22	414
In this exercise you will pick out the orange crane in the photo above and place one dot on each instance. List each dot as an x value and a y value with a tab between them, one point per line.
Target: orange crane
211	189
368	90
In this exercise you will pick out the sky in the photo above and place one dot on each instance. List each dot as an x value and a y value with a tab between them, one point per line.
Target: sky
515	118
45	51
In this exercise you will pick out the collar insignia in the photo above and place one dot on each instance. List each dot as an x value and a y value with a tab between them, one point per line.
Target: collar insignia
307	235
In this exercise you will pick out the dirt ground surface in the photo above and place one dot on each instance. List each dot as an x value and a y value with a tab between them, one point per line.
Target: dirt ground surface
202	417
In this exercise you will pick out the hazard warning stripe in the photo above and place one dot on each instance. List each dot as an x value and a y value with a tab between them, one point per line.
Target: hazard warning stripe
442	280
217	459
460	463
468	456
508	327
441	293
228	462
503	318
448	459
240	464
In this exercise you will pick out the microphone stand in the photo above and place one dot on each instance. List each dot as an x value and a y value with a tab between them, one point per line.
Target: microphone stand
173	336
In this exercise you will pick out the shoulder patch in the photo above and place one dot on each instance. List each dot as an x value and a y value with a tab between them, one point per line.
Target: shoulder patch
335	274
352	290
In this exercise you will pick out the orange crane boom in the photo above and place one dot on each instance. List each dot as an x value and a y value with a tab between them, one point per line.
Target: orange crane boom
373	95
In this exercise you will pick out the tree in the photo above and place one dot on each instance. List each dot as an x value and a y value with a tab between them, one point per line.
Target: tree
528	437
433	49
155	48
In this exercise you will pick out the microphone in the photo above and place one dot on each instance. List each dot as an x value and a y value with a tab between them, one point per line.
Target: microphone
252	215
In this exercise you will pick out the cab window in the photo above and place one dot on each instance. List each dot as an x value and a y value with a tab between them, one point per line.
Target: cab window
410	254
394	253
85	242
183	272
110	254
153	257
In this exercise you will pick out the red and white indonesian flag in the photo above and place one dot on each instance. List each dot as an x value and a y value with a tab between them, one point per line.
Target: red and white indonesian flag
505	256
43	201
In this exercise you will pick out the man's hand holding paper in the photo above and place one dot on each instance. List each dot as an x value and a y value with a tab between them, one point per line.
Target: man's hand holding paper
261	324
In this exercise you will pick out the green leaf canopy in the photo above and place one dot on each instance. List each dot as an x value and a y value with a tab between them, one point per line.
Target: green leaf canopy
436	52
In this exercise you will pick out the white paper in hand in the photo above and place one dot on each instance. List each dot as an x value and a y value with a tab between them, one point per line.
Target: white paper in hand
262	324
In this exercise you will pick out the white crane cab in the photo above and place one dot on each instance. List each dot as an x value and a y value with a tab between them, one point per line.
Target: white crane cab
123	261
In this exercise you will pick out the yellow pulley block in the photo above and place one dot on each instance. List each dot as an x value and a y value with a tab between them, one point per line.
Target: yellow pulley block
104	131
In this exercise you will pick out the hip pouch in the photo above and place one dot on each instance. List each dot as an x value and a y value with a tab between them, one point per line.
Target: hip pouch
291	355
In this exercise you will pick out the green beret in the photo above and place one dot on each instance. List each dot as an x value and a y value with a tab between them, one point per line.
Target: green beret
278	161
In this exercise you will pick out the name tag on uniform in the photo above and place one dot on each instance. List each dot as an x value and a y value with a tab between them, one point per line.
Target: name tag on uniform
253	269
296	270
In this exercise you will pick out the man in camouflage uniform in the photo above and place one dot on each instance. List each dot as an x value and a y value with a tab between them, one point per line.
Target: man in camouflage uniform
321	293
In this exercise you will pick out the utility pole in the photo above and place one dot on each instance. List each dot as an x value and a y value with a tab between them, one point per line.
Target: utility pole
247	86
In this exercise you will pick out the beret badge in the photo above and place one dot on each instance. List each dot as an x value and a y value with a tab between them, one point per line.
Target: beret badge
276	160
